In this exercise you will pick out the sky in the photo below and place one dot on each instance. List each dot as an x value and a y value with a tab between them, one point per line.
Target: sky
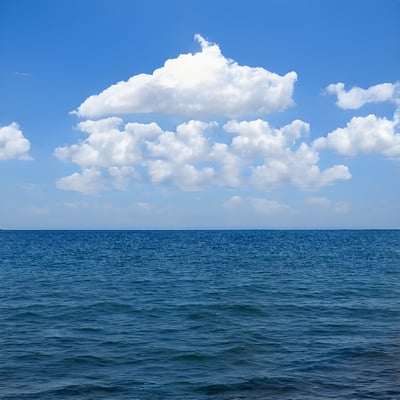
256	114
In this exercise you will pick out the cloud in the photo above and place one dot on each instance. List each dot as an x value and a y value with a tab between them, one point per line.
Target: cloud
83	205
89	182
13	144
144	206
173	155
191	157
264	206
356	97
282	162
233	202
368	134
108	146
363	135
258	138
342	207
319	201
17	73
122	176
31	187
200	84
256	204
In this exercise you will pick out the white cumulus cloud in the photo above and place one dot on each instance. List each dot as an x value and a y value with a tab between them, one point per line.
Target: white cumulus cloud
198	154
282	162
191	157
356	97
106	145
199	84
366	135
13	144
89	182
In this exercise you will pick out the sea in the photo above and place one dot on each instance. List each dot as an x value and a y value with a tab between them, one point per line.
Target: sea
196	315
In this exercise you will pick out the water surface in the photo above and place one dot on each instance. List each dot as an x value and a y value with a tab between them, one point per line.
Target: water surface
195	315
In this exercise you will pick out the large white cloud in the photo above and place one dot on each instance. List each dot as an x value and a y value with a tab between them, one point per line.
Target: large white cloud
366	135
356	97
253	153
13	144
193	85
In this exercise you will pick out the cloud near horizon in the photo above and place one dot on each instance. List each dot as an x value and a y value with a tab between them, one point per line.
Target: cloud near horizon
196	85
13	144
258	205
255	154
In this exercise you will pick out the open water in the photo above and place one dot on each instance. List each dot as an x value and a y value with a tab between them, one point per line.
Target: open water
195	315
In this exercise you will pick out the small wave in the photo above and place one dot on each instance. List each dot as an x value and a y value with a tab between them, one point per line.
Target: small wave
64	390
202	315
111	306
81	391
264	386
194	357
87	360
247	309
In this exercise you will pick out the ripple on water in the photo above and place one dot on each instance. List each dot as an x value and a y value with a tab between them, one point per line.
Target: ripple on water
251	315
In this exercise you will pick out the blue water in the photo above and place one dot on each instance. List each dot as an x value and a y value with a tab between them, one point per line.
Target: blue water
200	315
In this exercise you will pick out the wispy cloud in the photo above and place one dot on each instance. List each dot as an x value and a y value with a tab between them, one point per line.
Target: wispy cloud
17	73
258	205
144	206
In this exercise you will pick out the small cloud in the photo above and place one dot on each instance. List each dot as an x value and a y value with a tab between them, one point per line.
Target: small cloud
88	183
76	205
319	201
342	207
233	202
356	97
256	204
269	207
144	206
13	144
31	187
22	73
83	205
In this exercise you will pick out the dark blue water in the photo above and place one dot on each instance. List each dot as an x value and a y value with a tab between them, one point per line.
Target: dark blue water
200	315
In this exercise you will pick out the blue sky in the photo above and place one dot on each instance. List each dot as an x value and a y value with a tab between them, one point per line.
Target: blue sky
214	114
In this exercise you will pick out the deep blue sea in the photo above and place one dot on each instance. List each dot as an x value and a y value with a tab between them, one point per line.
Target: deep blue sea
195	315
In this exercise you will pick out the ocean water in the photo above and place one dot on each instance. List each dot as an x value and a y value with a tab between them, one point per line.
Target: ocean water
196	315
